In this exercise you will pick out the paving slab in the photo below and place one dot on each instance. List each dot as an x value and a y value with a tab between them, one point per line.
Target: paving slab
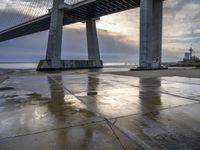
180	86
113	96
96	136
35	104
176	128
80	83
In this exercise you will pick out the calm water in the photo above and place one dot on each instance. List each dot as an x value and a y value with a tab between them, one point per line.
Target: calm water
18	65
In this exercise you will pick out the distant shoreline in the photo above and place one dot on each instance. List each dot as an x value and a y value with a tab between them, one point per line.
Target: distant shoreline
181	72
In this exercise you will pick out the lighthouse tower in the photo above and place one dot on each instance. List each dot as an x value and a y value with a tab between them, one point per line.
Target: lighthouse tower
191	52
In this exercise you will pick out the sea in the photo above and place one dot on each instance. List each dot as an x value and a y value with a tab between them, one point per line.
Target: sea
33	65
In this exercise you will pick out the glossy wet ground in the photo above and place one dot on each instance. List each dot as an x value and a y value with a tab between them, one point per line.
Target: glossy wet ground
78	111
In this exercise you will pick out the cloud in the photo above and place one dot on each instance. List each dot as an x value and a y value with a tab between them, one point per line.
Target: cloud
32	48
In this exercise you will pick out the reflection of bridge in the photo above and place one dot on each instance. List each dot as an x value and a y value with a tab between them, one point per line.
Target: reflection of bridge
88	11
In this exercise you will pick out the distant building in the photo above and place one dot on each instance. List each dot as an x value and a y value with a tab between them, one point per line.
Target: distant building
188	55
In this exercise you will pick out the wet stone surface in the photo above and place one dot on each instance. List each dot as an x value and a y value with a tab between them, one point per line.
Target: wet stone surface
99	111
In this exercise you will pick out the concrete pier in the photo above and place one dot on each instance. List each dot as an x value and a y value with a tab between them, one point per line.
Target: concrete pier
151	14
53	54
92	42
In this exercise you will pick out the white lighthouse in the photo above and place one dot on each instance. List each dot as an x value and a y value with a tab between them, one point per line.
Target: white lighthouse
189	55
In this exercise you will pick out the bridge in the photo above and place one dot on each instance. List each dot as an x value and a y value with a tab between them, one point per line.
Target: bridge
66	12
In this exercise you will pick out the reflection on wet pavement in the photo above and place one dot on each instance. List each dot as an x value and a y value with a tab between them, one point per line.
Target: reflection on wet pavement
30	108
99	111
185	87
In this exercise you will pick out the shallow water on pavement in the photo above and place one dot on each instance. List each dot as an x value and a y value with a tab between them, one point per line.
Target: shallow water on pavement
99	111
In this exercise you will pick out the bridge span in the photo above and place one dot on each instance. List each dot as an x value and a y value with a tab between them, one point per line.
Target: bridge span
151	15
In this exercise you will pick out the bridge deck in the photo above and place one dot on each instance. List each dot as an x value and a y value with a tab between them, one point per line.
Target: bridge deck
72	14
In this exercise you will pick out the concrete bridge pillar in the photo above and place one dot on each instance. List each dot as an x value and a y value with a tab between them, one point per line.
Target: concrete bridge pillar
53	53
151	14
92	42
53	56
55	33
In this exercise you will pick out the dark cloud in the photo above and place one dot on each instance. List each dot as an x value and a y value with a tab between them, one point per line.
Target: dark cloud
33	47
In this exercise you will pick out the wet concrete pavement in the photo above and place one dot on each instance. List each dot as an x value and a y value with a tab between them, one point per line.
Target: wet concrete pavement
92	111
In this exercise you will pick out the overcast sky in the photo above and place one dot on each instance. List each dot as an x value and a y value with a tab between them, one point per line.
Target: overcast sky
118	36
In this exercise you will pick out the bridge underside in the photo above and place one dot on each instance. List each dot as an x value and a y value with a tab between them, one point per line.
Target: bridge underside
72	14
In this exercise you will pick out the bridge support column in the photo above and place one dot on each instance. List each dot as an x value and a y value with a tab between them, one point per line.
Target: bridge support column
92	43
53	54
151	14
